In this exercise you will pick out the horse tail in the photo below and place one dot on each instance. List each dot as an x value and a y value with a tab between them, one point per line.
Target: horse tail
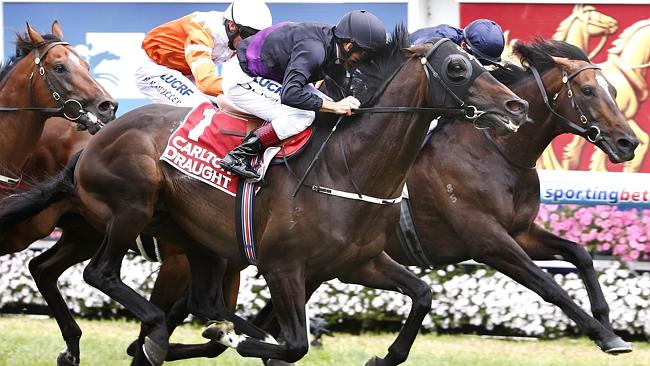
23	206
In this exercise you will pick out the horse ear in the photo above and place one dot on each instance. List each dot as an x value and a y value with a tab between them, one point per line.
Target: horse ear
56	30
34	36
563	63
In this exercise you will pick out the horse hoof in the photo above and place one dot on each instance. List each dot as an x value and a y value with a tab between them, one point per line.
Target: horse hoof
615	346
153	352
65	358
224	333
132	348
376	361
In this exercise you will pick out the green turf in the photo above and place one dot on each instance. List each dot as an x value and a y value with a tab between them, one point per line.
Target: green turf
32	341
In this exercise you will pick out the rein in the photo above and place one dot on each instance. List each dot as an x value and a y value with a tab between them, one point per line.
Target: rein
591	131
55	94
469	112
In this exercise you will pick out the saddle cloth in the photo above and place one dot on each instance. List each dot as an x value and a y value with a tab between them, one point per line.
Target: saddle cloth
207	134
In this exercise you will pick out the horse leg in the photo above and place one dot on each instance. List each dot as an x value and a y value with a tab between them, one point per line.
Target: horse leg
169	289
72	248
103	273
384	273
507	256
287	287
206	299
541	244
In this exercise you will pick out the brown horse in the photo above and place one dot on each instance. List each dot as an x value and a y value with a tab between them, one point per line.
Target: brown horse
348	245
476	196
45	78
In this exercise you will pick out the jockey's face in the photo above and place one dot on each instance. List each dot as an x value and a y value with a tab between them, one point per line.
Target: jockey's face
354	57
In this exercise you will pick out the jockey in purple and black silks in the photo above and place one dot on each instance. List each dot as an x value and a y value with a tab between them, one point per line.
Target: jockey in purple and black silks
482	38
271	77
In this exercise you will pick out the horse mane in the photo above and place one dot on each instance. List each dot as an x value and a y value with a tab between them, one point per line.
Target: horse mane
23	47
375	72
538	54
622	40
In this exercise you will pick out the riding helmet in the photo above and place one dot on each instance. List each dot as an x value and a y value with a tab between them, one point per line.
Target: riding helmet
253	14
485	39
361	28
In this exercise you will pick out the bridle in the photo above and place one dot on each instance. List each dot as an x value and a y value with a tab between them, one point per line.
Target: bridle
56	95
470	112
9	183
588	130
585	127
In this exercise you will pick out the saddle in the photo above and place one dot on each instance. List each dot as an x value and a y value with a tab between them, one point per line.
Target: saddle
290	146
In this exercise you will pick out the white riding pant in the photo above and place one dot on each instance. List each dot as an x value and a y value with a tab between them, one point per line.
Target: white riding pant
261	97
167	86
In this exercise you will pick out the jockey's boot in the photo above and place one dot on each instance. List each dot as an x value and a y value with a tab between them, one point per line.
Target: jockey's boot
238	160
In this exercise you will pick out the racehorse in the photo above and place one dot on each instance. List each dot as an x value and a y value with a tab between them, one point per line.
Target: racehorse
348	246
627	66
473	195
45	78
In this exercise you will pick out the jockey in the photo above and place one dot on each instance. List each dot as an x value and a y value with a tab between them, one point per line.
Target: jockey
482	38
182	55
270	77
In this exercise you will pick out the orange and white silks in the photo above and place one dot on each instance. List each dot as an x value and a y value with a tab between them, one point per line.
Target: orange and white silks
192	45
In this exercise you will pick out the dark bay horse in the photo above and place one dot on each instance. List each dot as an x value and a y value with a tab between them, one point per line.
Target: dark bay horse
457	218
473	195
120	183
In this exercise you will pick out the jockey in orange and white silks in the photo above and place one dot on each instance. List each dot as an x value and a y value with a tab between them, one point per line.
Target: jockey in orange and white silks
180	65
271	77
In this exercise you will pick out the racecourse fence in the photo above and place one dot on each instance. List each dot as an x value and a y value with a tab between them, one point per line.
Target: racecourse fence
467	298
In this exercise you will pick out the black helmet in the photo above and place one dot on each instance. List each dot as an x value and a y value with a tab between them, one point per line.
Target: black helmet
361	28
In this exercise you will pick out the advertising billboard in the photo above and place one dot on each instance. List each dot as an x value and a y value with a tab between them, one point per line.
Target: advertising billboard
108	34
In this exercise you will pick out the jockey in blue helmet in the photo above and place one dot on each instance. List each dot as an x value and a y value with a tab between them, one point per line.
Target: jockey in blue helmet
482	38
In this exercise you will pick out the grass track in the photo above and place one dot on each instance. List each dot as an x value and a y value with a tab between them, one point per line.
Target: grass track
27	341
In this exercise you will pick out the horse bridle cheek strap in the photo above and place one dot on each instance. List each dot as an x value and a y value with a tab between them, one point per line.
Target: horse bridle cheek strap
38	57
590	129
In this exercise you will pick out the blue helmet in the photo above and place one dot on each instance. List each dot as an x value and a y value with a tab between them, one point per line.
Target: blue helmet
485	39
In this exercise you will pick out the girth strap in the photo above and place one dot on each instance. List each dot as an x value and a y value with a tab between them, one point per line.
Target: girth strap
409	238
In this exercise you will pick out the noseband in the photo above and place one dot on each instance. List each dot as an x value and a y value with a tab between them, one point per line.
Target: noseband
56	95
585	128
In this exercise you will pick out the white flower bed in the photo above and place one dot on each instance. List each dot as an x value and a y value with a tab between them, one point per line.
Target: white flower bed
482	299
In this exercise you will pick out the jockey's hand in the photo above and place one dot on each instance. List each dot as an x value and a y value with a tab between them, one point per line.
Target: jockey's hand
343	106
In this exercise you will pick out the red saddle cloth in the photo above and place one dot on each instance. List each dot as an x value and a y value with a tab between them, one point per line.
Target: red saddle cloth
206	134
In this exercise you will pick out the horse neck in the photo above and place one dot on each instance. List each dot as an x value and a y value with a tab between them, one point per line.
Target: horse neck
635	55
382	146
530	141
20	129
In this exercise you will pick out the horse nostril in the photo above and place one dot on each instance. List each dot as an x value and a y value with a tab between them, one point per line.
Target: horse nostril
107	107
627	145
517	106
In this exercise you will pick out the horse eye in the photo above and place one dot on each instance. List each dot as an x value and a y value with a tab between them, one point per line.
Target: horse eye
59	68
588	91
456	70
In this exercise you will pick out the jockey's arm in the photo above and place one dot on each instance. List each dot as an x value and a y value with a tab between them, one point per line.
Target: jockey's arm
198	54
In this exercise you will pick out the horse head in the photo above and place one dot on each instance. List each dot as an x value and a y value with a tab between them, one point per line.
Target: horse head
61	81
457	78
583	100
